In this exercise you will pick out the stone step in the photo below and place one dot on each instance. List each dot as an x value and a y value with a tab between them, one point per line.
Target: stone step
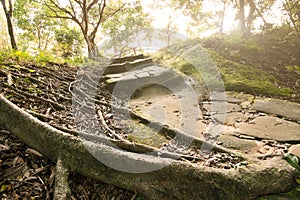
128	59
278	107
127	66
151	75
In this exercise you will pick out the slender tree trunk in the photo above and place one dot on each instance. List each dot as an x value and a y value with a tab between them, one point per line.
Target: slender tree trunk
222	17
242	22
8	14
92	47
250	17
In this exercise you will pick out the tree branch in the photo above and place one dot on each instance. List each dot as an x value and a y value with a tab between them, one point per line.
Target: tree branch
90	6
101	12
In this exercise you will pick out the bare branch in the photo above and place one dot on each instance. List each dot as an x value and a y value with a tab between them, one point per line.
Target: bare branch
90	6
101	8
72	8
113	13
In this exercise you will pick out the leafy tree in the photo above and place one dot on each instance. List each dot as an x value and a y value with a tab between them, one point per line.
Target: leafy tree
87	14
123	27
256	9
37	29
292	8
69	42
203	20
8	11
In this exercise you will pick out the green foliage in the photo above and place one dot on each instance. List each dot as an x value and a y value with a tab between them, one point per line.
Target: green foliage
243	78
14	55
123	26
69	42
140	197
34	89
37	28
43	57
292	9
293	68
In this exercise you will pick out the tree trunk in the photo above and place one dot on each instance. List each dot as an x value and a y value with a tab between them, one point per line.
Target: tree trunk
222	17
92	47
242	23
250	17
8	14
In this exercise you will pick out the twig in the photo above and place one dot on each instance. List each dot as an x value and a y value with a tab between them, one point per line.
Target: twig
40	116
106	127
54	104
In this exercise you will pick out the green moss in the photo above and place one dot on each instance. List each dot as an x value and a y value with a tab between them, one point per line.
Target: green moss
140	133
236	76
293	68
242	78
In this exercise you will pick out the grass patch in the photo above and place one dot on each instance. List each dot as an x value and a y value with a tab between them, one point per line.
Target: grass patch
249	79
293	68
236	76
16	56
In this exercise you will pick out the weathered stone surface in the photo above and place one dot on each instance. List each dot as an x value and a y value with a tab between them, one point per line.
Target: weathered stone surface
221	107
295	149
278	107
268	127
148	72
178	111
127	66
233	142
127	59
230	118
221	96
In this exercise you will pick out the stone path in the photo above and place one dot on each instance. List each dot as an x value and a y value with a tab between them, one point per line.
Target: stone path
235	120
255	126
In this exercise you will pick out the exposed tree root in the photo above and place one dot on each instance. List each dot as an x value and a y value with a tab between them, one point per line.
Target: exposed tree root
174	179
54	104
62	190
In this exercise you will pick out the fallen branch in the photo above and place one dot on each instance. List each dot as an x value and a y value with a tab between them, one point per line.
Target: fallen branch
112	133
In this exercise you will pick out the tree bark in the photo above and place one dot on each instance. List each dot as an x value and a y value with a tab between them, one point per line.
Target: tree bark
250	17
222	17
175	180
8	13
242	22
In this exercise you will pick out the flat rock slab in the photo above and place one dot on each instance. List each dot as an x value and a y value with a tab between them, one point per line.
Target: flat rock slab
233	142
295	149
225	96
147	72
160	104
230	118
269	127
127	66
278	107
217	107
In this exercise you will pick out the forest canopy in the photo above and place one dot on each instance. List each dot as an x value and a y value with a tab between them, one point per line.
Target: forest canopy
74	28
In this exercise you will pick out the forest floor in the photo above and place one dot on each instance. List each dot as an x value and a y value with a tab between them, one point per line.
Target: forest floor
41	90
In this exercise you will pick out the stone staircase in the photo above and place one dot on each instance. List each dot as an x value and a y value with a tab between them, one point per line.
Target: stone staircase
138	72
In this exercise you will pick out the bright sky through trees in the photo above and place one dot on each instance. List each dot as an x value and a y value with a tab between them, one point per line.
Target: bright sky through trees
161	16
